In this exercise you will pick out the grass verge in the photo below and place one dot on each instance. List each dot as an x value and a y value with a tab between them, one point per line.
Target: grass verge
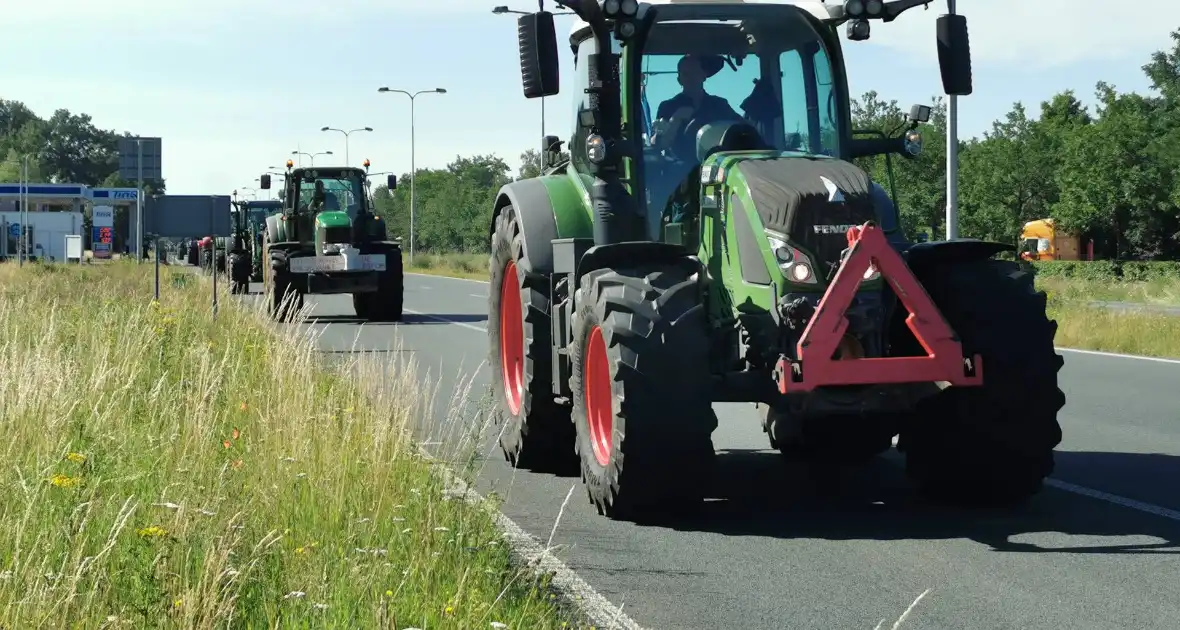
167	470
470	266
1160	292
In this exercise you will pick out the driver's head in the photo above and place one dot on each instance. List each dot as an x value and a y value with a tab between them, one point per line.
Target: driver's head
690	73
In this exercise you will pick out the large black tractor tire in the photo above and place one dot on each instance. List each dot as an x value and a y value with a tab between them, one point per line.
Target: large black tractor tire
239	273
991	444
642	403
283	301
535	430
194	255
385	304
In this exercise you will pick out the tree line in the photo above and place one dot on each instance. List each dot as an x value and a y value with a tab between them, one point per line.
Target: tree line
1110	173
64	148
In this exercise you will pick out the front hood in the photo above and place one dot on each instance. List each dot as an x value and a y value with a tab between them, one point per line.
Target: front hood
333	218
810	200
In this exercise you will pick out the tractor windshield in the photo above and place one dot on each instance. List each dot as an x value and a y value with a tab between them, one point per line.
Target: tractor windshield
774	74
764	67
342	192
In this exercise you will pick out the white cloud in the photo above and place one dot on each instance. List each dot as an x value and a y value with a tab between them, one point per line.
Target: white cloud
1038	34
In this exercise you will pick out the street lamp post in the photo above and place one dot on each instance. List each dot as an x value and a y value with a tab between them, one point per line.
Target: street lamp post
311	155
347	159
413	166
502	10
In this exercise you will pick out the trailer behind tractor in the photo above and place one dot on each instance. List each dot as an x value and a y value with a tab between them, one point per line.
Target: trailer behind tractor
688	255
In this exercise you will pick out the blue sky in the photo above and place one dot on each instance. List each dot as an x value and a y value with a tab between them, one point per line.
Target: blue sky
234	86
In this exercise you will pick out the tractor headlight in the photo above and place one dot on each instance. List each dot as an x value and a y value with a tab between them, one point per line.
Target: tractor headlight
794	264
874	7
596	148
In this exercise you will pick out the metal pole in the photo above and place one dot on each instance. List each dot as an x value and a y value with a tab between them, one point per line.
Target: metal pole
139	203
952	158
24	187
543	147
347	155
157	247
213	258
413	178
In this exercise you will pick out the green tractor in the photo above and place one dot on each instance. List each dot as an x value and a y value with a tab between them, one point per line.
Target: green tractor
256	213
327	240
245	258
701	255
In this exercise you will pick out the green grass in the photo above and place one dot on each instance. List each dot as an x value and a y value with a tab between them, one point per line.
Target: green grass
165	470
1161	292
470	266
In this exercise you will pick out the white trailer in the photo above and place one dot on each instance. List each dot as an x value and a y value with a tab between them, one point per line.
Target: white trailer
46	233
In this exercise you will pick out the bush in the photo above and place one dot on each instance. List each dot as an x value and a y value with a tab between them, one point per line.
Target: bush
1109	270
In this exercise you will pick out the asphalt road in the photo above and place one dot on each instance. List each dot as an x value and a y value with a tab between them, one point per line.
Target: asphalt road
1098	549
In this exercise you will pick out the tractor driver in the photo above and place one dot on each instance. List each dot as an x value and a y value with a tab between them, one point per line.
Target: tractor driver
670	186
693	102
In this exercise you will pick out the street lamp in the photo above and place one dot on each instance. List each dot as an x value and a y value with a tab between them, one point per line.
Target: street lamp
347	161
413	168
502	10
310	155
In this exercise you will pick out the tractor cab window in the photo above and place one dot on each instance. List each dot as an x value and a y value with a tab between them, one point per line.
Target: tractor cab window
342	193
758	83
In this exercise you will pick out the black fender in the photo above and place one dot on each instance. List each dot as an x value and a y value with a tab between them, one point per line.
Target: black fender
538	223
960	250
631	254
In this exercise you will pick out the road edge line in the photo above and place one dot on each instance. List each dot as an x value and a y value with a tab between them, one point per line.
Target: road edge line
528	553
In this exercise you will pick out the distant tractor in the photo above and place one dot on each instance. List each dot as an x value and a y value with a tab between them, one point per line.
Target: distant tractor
688	254
245	244
327	240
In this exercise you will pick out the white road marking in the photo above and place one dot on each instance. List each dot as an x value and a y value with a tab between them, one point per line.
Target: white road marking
432	275
479	295
1140	506
531	552
1117	355
446	320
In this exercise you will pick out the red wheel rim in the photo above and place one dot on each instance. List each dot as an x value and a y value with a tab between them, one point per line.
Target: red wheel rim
511	339
600	412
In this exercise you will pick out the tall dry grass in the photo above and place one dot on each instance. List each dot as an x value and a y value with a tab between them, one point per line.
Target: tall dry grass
166	469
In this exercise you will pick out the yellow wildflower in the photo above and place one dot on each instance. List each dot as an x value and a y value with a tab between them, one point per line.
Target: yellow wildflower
449	610
77	458
178	603
152	532
389	593
64	481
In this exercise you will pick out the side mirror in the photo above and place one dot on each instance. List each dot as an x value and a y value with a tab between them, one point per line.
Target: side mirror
552	150
537	41
954	54
264	182
391	182
920	113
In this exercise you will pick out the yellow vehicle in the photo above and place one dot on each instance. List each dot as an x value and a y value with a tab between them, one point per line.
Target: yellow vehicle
1041	240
